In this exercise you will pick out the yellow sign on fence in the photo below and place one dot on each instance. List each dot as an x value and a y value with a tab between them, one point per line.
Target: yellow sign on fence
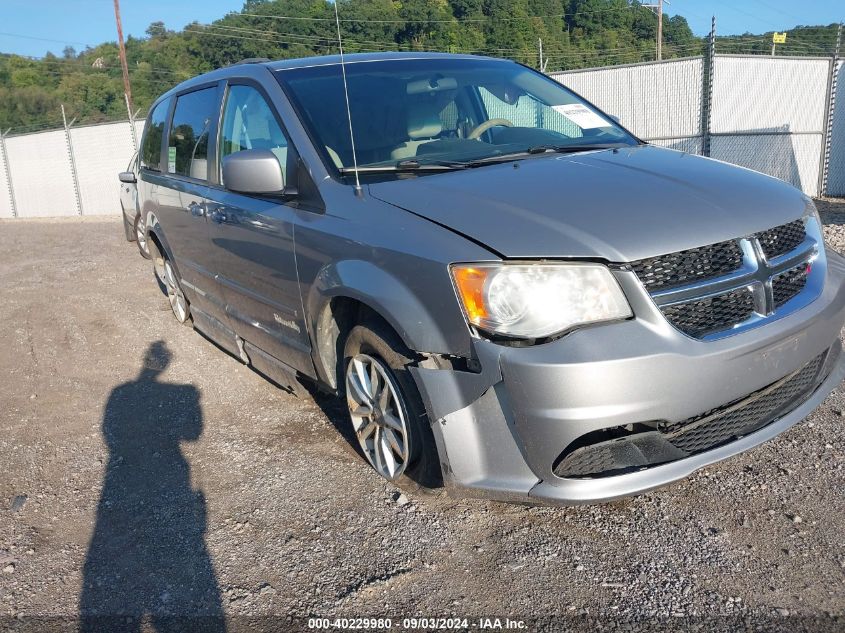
779	38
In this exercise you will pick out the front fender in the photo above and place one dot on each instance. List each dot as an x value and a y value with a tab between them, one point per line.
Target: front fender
385	294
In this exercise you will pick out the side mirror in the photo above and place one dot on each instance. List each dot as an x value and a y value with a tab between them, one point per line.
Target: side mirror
255	171
615	118
128	177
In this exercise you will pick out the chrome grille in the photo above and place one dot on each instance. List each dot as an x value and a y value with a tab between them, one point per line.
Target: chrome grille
789	284
782	239
713	291
684	267
701	317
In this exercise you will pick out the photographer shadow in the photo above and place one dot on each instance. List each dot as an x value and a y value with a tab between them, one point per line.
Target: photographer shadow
147	564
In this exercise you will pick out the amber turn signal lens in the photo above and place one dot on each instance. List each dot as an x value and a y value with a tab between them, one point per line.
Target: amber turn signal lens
470	285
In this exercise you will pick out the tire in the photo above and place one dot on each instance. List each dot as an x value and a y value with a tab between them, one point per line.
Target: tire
374	342
179	303
140	237
128	229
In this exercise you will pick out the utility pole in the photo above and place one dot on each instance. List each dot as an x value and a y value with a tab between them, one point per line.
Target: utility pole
127	89
657	7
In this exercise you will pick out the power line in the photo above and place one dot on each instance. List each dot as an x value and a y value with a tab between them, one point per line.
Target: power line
42	39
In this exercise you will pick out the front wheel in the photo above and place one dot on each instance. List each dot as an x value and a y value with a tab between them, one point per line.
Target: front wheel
385	408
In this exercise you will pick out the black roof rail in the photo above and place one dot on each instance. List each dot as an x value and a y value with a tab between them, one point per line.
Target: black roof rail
252	60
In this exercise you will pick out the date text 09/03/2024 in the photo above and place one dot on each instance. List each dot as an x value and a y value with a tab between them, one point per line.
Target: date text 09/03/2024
427	624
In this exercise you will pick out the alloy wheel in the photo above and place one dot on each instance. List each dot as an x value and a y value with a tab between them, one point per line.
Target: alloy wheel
141	235
378	415
177	299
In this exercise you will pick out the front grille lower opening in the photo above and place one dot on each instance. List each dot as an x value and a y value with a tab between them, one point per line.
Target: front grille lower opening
621	449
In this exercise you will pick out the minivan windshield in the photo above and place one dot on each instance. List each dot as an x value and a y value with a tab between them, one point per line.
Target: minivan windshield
442	113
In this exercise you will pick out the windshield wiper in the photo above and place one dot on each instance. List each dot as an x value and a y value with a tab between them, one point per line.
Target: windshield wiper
408	165
571	149
542	149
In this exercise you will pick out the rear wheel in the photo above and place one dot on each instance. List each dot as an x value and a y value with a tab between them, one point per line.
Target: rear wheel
385	408
140	232
178	301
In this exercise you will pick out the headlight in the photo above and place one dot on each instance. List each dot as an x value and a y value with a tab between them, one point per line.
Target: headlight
537	300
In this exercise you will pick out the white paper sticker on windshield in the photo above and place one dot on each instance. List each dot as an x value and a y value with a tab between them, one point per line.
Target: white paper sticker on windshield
581	115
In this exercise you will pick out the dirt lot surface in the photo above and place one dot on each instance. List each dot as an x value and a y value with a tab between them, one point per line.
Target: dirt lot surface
147	473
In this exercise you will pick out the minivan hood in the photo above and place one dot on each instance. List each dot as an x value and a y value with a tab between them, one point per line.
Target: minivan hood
616	205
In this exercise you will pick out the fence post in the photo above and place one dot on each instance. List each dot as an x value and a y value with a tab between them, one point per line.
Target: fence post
131	123
830	107
72	161
707	90
8	169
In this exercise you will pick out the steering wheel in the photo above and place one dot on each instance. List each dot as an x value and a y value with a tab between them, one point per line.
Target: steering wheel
481	128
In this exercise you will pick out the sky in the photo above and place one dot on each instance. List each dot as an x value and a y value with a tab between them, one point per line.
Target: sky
33	27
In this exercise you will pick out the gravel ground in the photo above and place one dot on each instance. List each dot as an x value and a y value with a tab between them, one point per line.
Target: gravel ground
147	473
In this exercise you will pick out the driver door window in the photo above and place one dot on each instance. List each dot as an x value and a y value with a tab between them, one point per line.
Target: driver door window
249	123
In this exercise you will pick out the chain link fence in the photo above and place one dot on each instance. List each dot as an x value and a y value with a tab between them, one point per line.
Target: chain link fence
776	115
783	116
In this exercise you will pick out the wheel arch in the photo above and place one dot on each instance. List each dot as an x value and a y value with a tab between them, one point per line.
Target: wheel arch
347	293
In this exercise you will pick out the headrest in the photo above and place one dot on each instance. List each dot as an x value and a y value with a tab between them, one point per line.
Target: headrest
423	121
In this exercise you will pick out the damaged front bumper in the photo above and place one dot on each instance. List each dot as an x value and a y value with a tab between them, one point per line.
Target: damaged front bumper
505	431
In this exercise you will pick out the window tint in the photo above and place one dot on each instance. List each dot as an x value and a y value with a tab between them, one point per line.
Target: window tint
187	147
151	150
249	123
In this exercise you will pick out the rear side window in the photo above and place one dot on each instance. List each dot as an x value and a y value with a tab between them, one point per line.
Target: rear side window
187	146
151	150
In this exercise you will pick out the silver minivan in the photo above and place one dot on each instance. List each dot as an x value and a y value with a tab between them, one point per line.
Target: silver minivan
515	296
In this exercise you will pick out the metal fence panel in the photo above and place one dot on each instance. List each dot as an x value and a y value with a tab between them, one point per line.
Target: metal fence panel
656	100
687	145
41	174
762	92
5	191
101	152
836	171
794	158
769	114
